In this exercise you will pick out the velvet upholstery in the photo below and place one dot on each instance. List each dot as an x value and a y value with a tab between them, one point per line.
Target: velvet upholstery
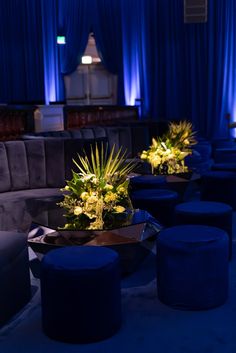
160	203
55	163
230	167
72	147
209	213
18	165
35	168
192	267
81	295
14	274
148	182
5	180
219	186
134	137
36	164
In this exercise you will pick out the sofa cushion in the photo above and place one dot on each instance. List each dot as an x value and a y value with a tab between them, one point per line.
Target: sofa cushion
87	133
5	180
73	147
55	168
18	166
36	163
140	139
76	134
120	137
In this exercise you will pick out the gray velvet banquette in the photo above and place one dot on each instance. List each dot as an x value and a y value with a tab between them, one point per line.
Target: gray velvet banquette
134	138
33	169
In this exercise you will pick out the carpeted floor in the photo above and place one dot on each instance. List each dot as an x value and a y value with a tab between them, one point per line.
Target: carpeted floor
148	326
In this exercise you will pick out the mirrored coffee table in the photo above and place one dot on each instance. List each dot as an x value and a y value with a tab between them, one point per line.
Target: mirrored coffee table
130	237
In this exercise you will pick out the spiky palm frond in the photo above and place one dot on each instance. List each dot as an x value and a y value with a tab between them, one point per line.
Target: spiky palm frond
103	166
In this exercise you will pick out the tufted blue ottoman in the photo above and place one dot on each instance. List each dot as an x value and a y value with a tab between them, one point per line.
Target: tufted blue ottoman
148	182
81	296
219	186
160	203
209	213
192	267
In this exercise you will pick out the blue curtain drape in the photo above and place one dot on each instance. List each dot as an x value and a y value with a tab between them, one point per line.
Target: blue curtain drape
221	87
74	21
21	53
107	31
54	85
177	70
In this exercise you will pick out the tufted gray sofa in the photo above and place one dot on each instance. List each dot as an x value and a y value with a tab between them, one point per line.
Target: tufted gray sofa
134	138
33	169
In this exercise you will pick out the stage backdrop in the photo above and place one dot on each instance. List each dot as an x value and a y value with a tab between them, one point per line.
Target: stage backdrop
175	70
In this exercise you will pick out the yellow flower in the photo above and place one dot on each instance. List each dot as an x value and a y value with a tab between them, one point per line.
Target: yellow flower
78	210
109	197
92	199
84	195
108	187
121	190
119	209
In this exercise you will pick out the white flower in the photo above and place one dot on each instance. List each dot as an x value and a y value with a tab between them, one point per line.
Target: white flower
78	210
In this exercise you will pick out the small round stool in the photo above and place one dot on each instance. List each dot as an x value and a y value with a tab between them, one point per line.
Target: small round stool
192	267
81	296
215	214
160	203
219	186
148	182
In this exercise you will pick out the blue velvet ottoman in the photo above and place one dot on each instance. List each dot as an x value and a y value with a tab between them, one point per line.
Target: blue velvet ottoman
148	182
209	213
81	295
219	186
160	203
192	267
15	289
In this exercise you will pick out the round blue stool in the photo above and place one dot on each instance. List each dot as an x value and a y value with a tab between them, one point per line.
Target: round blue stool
219	186
160	203
81	295
192	267
209	213
148	182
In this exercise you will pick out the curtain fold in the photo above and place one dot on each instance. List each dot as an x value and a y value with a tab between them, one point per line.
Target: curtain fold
107	31
21	53
74	20
177	70
54	85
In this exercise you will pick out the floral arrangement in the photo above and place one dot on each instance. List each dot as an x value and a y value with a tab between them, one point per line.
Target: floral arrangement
98	192
166	155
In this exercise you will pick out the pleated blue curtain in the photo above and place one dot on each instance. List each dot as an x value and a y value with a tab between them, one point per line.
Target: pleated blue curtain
107	31
53	80
132	49
177	70
196	64
21	53
221	66
74	20
171	76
